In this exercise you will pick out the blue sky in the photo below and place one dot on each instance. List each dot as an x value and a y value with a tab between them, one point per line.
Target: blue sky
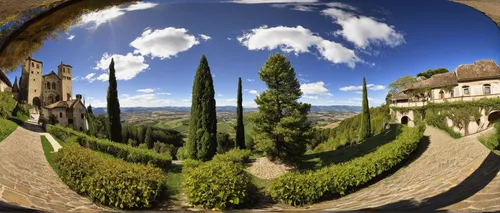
332	45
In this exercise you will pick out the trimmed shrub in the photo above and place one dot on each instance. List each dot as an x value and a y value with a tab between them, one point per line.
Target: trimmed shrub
182	154
217	184
122	151
234	155
297	188
108	181
6	128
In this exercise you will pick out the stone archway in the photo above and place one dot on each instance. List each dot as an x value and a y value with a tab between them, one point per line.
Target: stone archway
405	120
36	102
494	117
51	99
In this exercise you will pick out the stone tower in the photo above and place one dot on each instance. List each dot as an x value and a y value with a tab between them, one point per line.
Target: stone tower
64	72
32	81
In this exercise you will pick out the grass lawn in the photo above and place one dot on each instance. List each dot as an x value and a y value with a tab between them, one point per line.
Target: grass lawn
47	150
322	159
6	128
174	182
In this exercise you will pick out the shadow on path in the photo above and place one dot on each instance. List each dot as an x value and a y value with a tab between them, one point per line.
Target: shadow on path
32	127
6	207
479	179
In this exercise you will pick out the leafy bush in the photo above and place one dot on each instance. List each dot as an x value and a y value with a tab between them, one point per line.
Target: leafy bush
6	128
217	184
7	104
165	148
234	155
297	188
108	181
122	151
182	154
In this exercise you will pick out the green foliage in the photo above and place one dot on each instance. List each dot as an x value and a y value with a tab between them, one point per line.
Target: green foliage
348	130
297	188
217	184
119	150
7	104
108	181
101	124
6	128
202	136
91	122
138	133
240	127
148	141
224	142
164	148
398	85
365	129
235	155
143	146
281	123
113	106
429	73
492	141
182	153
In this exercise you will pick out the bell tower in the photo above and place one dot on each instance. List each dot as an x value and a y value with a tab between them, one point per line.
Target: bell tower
64	72
32	81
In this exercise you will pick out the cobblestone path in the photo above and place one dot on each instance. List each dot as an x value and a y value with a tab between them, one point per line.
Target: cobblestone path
26	178
449	174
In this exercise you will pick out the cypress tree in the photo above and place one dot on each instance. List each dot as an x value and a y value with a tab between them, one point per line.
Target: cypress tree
240	127
140	134
281	120
202	133
113	108
148	139
90	121
365	126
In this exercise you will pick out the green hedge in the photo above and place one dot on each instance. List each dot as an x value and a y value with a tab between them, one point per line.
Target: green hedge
6	128
217	184
492	141
234	155
109	181
122	151
297	188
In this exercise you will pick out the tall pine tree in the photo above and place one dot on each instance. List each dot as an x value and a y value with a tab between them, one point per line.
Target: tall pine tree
148	139
115	126
90	121
365	126
281	121
240	127
202	134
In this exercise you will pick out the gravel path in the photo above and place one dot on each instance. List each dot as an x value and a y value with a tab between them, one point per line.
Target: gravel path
27	180
449	174
266	169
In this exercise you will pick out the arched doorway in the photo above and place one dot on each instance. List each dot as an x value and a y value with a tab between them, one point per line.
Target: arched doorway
404	120
51	99
36	102
494	117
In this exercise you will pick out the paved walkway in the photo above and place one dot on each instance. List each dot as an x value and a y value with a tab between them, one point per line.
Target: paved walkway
448	175
26	178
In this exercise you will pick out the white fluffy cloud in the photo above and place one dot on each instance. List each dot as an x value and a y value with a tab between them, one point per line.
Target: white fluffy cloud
359	88
126	66
297	40
250	80
205	37
71	37
103	77
316	88
272	1
253	92
94	19
164	93
164	43
147	90
90	77
363	31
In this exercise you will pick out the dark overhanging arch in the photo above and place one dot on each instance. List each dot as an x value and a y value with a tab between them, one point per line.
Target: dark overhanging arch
405	120
494	117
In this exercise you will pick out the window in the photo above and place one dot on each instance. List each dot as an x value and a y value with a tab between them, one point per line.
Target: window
53	85
82	115
441	94
38	66
70	121
466	90
47	86
60	114
452	93
32	64
487	89
31	72
35	90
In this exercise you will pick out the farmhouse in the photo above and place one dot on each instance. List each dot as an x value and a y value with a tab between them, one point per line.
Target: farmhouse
470	82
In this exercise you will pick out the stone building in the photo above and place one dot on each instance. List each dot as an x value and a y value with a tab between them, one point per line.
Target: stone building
42	90
5	84
70	113
468	82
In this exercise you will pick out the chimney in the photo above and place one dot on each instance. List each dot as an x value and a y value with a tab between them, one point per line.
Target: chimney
78	97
